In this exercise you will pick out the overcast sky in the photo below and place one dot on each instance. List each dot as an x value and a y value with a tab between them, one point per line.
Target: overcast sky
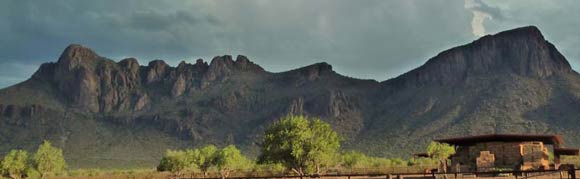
365	39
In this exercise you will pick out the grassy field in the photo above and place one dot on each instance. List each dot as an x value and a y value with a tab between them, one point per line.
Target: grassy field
151	173
114	174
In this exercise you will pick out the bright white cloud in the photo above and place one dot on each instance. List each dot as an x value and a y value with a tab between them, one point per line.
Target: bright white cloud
478	29
479	17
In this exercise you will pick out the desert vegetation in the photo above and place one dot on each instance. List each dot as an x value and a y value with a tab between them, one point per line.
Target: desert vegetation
293	145
46	161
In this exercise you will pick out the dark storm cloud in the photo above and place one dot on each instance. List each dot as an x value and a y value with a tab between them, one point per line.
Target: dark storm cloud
151	20
365	39
126	26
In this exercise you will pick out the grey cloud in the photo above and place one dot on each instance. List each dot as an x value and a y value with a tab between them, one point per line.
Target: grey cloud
13	72
152	20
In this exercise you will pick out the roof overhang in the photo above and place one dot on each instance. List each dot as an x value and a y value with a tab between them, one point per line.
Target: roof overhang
566	151
421	155
555	140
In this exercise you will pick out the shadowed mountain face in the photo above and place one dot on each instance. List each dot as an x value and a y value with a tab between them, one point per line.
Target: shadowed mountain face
107	113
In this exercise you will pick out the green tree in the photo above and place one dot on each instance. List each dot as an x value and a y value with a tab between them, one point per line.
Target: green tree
174	161
442	152
203	158
303	145
229	159
49	160
14	164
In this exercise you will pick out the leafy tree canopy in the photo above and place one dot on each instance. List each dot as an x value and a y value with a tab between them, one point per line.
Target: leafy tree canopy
300	143
174	161
204	157
14	164
229	159
49	160
440	151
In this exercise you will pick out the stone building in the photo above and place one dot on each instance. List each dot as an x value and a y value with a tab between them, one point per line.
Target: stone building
506	152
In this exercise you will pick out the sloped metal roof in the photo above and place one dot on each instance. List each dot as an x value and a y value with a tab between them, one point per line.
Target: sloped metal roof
555	140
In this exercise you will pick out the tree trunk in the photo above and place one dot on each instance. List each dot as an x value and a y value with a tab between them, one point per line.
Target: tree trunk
15	176
224	174
298	171
444	168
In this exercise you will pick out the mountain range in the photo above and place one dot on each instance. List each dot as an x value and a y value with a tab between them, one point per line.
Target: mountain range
107	113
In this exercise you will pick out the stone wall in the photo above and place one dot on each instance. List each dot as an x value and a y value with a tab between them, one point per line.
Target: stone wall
506	155
534	156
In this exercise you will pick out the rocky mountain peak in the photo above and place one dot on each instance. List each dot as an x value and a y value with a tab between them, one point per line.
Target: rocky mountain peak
242	59
156	70
243	63
223	66
77	55
182	64
129	62
157	64
316	70
220	67
200	62
311	72
527	32
521	51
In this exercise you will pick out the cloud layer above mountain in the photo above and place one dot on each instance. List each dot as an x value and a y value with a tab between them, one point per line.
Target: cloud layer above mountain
363	39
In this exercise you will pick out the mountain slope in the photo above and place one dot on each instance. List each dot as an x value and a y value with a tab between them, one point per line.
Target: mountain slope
107	113
511	82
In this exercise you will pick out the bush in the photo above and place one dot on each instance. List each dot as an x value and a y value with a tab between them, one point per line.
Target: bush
32	173
174	161
229	159
49	160
14	164
268	170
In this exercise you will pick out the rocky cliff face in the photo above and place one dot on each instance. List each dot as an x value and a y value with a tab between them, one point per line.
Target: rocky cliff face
95	84
522	51
510	82
98	85
495	84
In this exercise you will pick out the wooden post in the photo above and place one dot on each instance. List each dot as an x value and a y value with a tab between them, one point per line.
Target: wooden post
556	161
572	171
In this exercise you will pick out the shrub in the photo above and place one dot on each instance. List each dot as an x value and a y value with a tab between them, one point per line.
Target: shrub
49	160
14	164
